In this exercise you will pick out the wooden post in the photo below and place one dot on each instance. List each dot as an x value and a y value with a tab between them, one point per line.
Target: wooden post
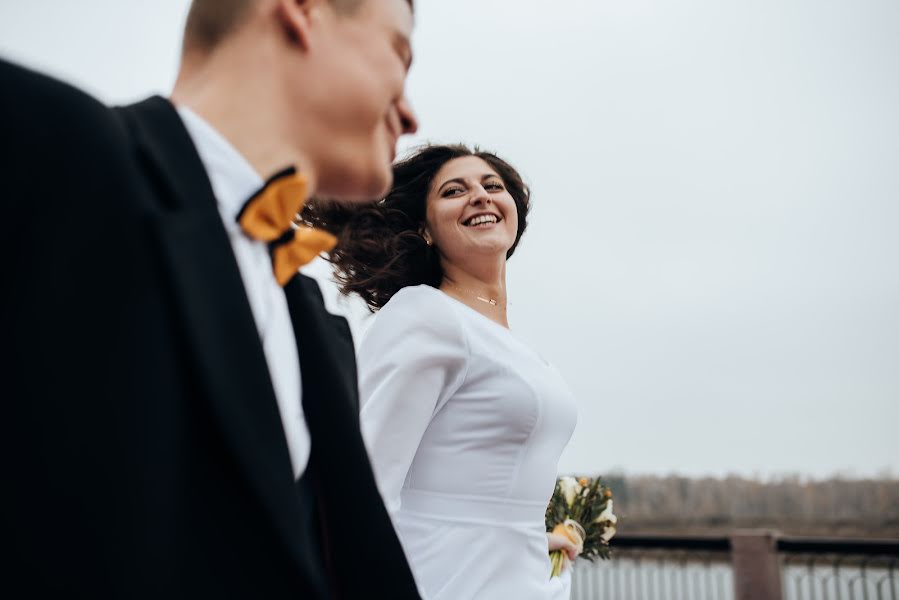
756	565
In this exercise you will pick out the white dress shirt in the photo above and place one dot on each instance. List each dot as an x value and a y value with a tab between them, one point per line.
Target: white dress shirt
233	181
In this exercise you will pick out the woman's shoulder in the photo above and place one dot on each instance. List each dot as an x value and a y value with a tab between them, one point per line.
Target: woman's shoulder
420	307
416	300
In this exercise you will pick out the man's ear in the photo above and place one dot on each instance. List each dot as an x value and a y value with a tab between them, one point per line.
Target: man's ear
298	17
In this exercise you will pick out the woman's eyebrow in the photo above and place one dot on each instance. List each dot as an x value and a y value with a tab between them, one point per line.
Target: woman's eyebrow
458	180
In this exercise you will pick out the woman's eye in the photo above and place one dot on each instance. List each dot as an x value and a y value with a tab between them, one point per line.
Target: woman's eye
452	191
495	186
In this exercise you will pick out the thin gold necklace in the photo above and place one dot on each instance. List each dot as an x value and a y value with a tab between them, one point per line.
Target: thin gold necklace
490	301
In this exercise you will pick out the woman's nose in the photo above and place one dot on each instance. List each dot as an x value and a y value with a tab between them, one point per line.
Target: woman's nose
479	195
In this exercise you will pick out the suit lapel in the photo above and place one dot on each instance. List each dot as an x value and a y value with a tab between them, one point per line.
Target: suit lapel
338	466
327	357
216	318
330	406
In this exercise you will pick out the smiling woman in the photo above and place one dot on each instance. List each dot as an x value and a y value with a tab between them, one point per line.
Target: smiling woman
399	241
464	423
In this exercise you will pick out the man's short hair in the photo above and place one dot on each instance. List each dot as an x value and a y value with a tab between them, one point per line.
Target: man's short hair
211	21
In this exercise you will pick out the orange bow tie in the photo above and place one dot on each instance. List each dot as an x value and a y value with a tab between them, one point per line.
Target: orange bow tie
268	216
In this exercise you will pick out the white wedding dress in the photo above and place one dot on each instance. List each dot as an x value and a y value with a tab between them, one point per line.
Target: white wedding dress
465	425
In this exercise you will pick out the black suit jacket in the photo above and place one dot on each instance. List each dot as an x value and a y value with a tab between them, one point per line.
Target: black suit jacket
142	449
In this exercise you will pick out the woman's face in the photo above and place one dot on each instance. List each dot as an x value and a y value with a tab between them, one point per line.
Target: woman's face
469	211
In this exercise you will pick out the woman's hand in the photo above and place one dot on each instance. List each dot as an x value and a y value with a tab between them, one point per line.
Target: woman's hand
560	542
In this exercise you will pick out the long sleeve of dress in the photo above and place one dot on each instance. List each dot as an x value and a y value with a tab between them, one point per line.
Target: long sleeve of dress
412	360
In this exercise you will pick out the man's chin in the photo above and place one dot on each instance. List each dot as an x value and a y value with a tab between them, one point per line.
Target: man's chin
374	188
369	187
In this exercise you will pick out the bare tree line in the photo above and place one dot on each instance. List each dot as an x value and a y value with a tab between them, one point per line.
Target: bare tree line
835	507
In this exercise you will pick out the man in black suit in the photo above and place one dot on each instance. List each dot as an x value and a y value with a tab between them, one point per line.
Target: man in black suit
175	422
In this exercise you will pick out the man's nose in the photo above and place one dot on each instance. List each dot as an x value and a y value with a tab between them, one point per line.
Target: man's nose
408	120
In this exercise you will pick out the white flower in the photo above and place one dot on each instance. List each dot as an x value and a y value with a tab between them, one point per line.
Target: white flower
607	514
608	518
570	489
608	532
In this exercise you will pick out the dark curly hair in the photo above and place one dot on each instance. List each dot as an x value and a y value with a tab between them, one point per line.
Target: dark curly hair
380	247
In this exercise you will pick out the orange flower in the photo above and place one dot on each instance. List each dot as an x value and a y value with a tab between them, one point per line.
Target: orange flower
583	481
560	529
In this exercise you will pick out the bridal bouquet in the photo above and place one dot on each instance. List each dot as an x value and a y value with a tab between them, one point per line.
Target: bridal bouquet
581	510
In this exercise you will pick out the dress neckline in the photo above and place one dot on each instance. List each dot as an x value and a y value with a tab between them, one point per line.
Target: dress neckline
508	331
470	309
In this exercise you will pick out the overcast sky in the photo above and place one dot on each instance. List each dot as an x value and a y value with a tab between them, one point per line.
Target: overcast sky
712	255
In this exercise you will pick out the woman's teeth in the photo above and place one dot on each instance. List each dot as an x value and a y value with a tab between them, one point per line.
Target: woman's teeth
481	220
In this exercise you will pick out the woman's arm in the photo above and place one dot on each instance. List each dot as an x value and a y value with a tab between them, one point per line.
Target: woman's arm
411	361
